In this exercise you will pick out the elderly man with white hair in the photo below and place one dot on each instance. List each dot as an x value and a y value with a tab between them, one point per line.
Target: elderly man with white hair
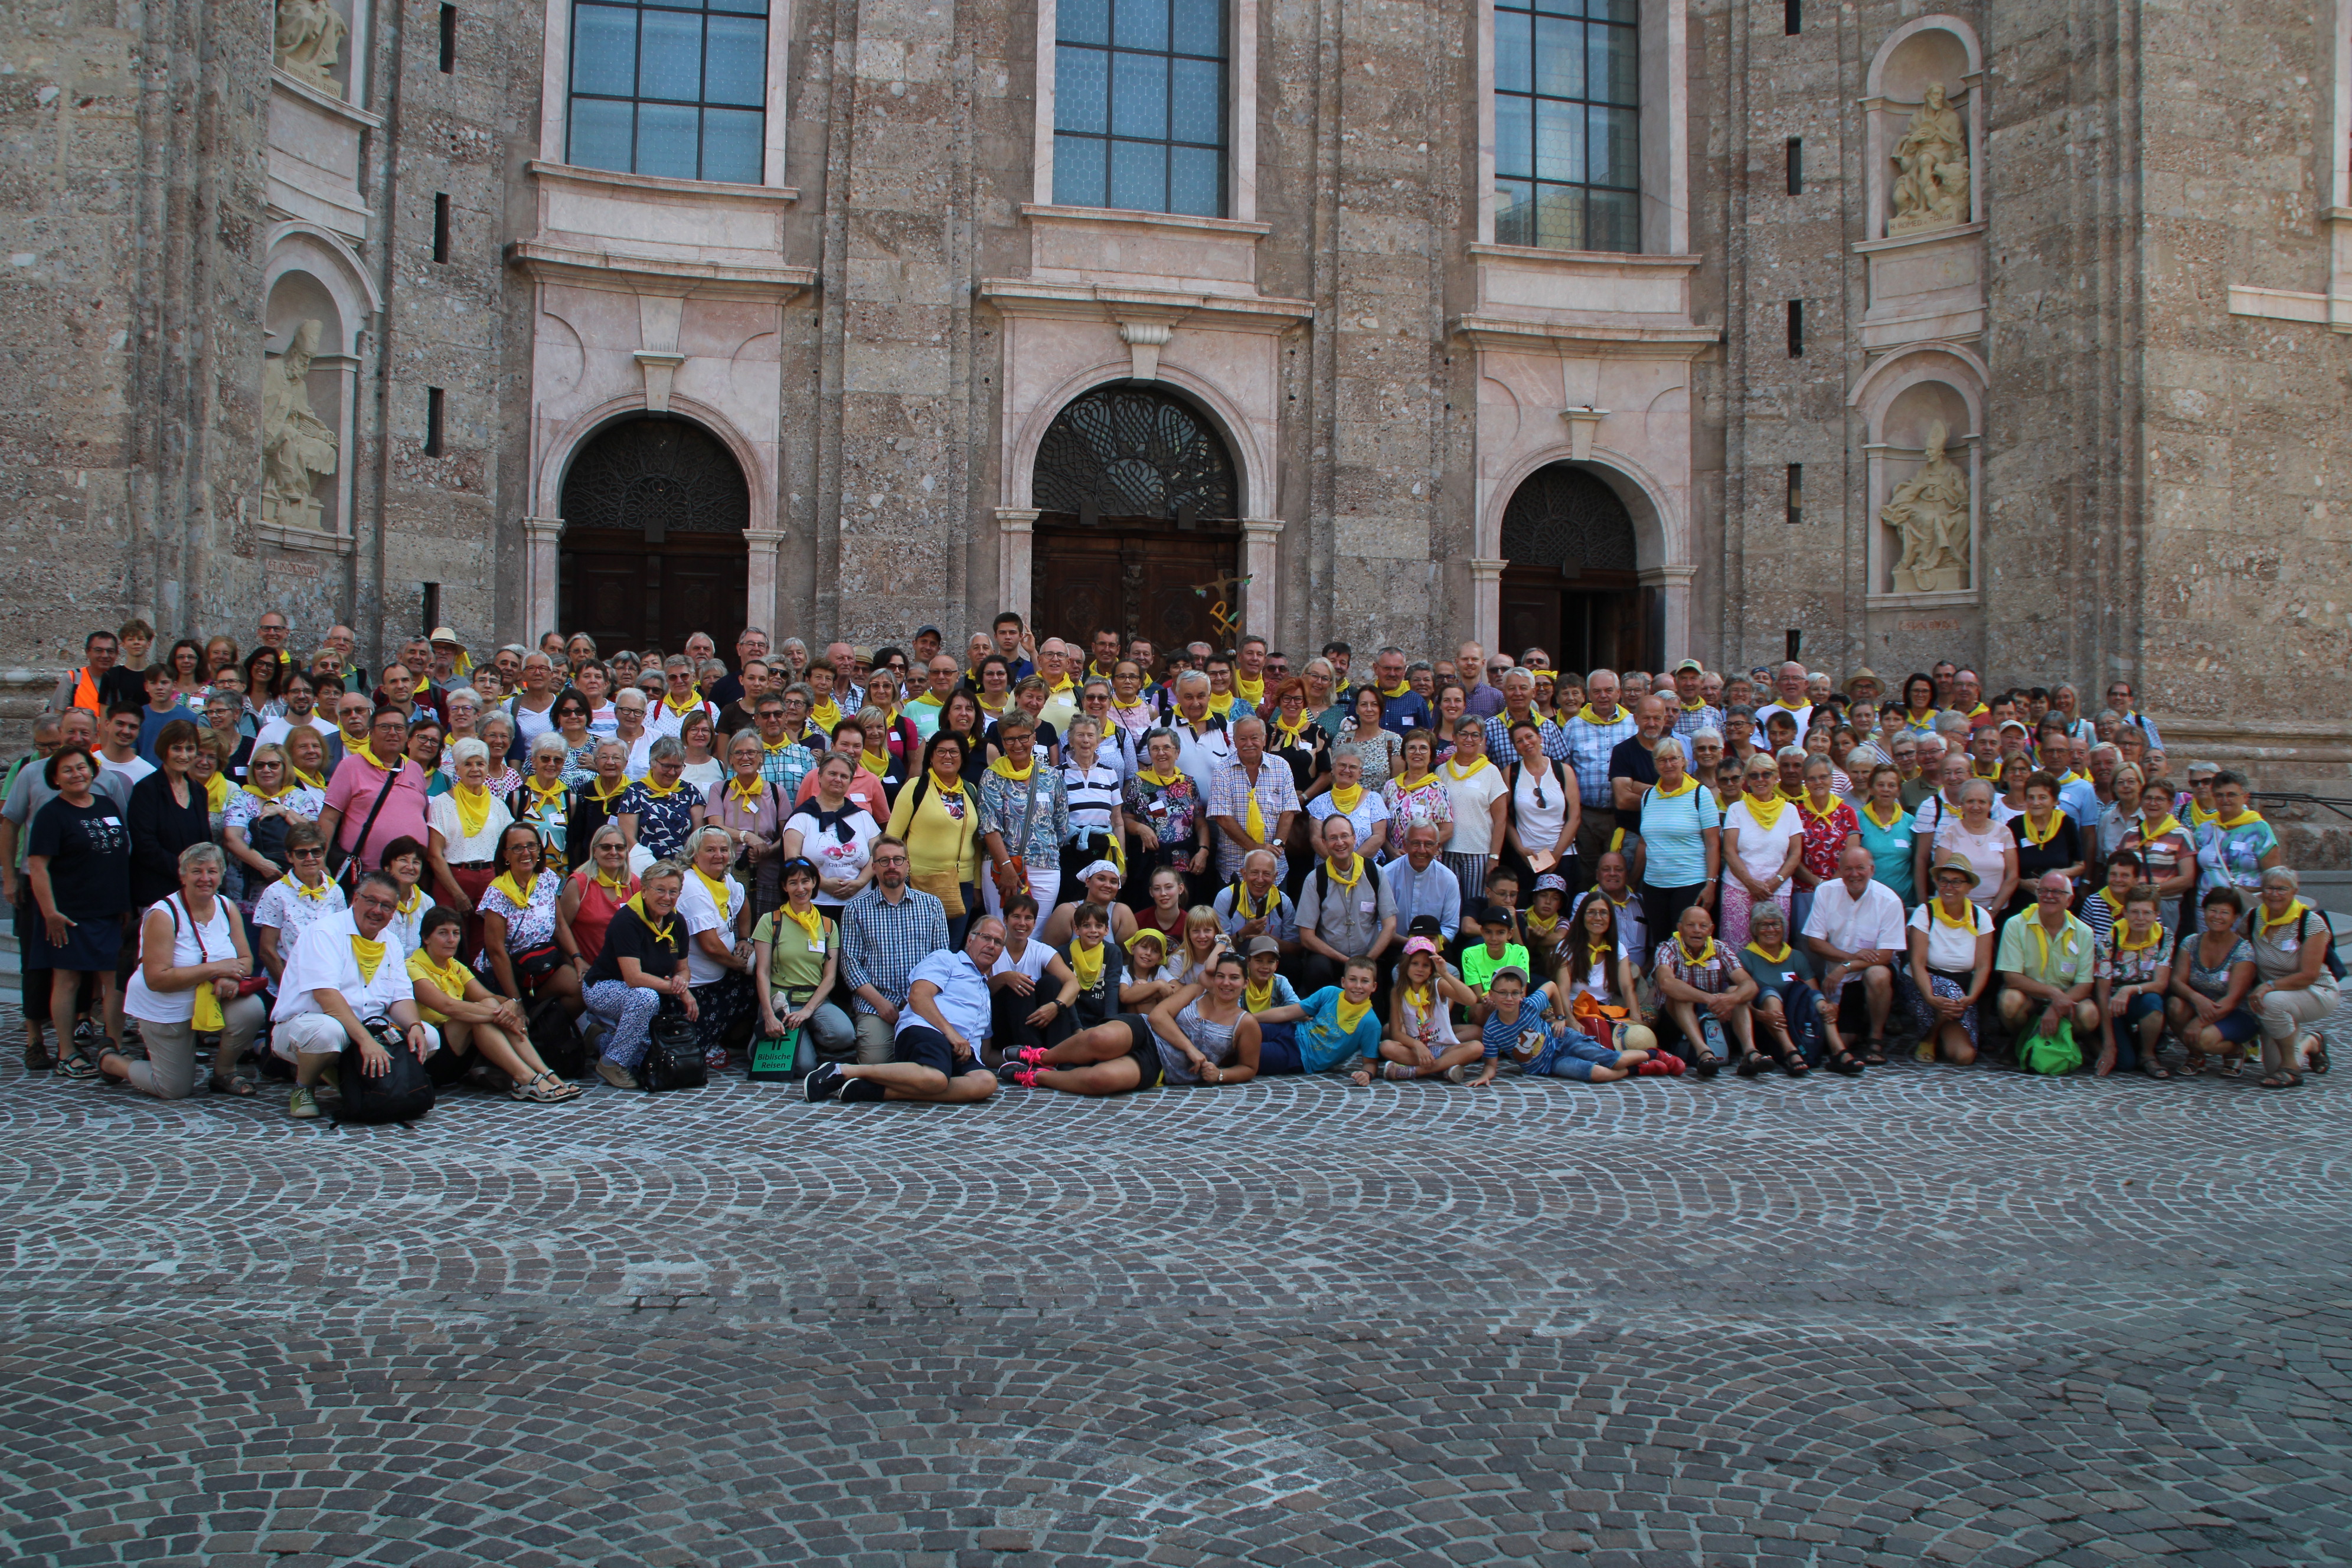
1789	697
2048	963
1254	905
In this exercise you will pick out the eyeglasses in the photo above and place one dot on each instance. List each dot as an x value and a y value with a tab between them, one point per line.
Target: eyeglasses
306	854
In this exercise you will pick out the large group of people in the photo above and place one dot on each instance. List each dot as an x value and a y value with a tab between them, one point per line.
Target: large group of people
920	872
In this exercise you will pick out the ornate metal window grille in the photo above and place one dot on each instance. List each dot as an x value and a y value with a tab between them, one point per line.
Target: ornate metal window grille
1125	452
1568	168
659	475
1566	518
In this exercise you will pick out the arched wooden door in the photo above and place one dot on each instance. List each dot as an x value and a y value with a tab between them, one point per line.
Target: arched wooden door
654	514
1138	523
1570	587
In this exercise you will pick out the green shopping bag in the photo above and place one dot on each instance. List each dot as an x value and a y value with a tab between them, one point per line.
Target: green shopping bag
2053	1054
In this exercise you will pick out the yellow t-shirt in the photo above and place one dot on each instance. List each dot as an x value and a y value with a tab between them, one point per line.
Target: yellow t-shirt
450	977
936	840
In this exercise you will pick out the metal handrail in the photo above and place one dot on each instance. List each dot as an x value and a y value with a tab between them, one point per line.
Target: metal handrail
2342	808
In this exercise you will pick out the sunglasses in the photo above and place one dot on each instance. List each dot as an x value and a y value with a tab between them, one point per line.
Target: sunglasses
306	854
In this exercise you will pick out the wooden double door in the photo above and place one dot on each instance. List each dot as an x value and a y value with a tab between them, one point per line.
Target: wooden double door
626	592
1591	621
1142	576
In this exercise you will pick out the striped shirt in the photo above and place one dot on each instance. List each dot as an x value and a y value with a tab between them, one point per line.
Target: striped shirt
1691	720
1093	794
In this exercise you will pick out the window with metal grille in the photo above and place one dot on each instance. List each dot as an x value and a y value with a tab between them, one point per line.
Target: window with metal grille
1140	105
1127	451
1568	169
675	88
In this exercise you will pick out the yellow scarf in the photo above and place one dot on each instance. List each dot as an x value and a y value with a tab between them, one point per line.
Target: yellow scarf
1663	793
1087	962
382	767
2124	944
1158	781
603	796
319	892
746	795
1119	701
1242	910
450	977
718	894
1220	704
415	898
1459	774
1285	735
505	883
1252	691
1697	707
826	715
1540	925
2244	817
2041	937
1391	693
473	803
1597	955
812	922
996	711
1968	906
954	788
370	956
1589	717
1256	998
542	798
2039	837
1005	770
1064	684
659	790
308	781
1806	803
1780	957
617	886
672	705
1355	871
1254	819
1350	1014
661	933
2115	906
2171	823
2295	911
1421	999
216	793
1690	957
787	744
1766	812
281	791
1870	810
1787	795
2199	816
874	762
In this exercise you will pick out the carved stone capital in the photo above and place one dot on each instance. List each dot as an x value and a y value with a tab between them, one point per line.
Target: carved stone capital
1144	340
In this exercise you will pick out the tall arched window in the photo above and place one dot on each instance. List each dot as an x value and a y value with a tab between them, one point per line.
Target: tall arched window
1140	105
1568	168
670	88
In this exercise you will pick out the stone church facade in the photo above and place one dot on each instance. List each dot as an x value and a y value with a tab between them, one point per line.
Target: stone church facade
1635	327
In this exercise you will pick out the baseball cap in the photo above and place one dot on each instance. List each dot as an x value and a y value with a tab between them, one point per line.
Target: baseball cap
1551	881
1694	666
1258	944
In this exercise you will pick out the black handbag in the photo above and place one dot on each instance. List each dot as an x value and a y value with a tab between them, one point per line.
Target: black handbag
672	1058
403	1093
558	1043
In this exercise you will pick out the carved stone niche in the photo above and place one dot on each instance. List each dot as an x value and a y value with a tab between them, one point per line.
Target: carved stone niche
1925	459
1923	193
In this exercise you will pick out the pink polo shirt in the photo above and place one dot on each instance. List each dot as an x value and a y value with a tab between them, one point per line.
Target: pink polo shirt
352	793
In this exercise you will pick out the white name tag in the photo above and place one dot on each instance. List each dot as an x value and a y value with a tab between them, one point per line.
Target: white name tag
1366	908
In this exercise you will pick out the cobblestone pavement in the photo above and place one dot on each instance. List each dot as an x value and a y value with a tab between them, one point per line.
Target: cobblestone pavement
1930	1316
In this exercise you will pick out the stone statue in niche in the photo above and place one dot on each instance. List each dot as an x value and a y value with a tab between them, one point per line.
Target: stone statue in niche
296	448
1931	163
1929	511
310	42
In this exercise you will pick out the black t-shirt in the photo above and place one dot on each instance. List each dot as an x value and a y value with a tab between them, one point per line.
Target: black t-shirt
122	684
88	850
1631	759
1046	738
629	937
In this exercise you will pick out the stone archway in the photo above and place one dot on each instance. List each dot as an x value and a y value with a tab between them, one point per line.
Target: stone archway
1569	584
653	511
1139	509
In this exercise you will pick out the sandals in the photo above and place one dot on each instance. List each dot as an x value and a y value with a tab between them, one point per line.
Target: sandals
2282	1079
1707	1064
231	1084
1795	1065
2316	1058
2155	1068
1845	1064
2195	1066
74	1065
550	1089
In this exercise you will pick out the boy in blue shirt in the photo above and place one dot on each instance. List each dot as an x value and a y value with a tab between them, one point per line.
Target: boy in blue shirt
1335	1026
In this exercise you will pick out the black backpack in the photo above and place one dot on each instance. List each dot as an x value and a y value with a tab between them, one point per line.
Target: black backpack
2335	965
403	1093
672	1058
559	1045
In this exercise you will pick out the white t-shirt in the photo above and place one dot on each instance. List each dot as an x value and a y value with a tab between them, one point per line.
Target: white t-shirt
1031	961
1762	849
1851	924
323	961
700	913
1803	716
1950	949
1474	828
274	733
130	773
834	858
529	725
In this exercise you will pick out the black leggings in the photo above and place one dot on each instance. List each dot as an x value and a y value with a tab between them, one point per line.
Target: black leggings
1662	908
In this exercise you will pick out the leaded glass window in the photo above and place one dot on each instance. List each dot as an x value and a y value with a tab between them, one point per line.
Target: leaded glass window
1567	109
677	88
1133	451
1140	105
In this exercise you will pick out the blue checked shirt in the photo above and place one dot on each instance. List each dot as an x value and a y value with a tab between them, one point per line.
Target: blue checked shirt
785	766
1691	720
1498	739
881	941
1588	745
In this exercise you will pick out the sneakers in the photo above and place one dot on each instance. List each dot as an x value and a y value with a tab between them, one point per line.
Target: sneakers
1458	1073
304	1104
1397	1072
1019	1073
715	1058
824	1083
1030	1055
613	1073
1665	1064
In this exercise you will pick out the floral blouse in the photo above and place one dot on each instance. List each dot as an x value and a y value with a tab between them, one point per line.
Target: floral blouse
1003	800
1825	835
527	925
663	821
1173	810
1425	804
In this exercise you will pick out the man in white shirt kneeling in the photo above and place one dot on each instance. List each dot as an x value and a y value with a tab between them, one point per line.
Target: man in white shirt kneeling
345	969
1856	928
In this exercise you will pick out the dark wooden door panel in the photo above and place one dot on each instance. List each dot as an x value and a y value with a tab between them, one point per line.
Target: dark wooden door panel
1531	616
1141	580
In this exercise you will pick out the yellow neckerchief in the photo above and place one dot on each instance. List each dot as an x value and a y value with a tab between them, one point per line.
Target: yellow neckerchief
216	793
424	682
1286	735
1596	956
826	715
1421	999
1256	998
924	699
786	744
300	891
1695	958
1242	910
1967	904
617	886
505	882
1254	819
1764	819
1979	707
996	712
1119	701
2122	934
308	780
2171	823
1220	704
473	803
1589	717
1390	694
1159	781
811	922
1355	871
368	754
1408	783
1350	1014
1980	771
2229	823
603	796
2041	936
1920	718
660	792
1250	690
1064	684
1663	793
637	907
2039	837
718	894
1088	962
874	762
2295	909
2115	905
370	956
672	705
264	794
1870	810
1805	803
1540	925
2074	778
542	798
954	788
1005	770
450	976
1780	957
1461	775
745	795
1782	792
413	901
